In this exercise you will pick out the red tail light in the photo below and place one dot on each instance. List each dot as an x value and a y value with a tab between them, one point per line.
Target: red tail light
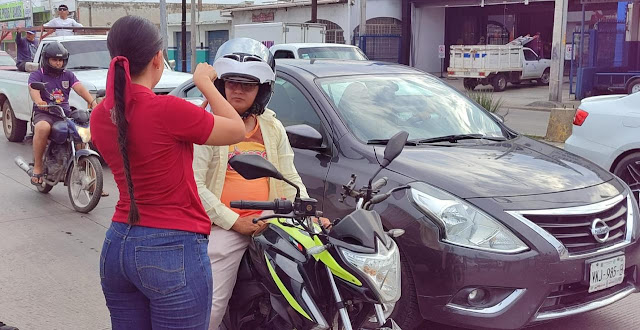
580	117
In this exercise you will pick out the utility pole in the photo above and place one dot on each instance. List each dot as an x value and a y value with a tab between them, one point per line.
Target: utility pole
314	11
557	52
183	34
363	20
194	33
163	28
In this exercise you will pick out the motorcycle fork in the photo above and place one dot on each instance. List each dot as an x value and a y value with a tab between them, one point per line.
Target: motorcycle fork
344	315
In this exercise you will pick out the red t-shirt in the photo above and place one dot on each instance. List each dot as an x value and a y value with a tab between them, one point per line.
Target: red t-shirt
162	131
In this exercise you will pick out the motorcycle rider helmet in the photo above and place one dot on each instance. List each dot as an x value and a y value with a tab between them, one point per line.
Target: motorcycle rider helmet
246	60
53	50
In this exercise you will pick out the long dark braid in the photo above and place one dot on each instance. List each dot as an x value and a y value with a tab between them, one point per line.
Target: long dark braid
123	128
138	40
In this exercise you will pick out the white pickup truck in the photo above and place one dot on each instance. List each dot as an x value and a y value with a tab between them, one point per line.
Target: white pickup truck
498	65
88	58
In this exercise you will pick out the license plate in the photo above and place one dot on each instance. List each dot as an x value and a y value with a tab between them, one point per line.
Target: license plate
467	73
606	273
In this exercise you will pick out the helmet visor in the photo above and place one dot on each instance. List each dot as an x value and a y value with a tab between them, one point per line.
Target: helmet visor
248	46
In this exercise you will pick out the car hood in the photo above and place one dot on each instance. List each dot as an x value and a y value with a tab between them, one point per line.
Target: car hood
97	79
519	167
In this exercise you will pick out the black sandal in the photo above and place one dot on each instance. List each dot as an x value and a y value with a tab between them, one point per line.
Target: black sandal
37	176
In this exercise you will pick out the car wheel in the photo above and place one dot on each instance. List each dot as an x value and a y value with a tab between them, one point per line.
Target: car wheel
634	87
544	80
470	83
628	169
499	82
406	312
14	128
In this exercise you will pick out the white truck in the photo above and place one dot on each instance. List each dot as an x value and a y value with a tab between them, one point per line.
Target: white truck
497	65
317	50
88	59
279	33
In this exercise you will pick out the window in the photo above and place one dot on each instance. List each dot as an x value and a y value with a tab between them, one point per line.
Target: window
283	54
193	92
530	55
292	107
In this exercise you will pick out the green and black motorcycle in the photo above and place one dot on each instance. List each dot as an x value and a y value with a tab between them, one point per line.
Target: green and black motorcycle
298	275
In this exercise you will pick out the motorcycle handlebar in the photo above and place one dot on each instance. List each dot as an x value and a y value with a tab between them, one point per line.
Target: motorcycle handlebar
379	184
278	206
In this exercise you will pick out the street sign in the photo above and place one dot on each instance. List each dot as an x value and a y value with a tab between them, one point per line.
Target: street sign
441	51
568	53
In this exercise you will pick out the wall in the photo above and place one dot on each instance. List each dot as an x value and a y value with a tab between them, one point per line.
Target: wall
427	33
91	13
336	13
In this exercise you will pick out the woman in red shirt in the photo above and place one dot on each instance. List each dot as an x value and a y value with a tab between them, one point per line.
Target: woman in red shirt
154	268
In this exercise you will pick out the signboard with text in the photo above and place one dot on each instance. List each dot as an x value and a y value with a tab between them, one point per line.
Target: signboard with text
12	11
442	51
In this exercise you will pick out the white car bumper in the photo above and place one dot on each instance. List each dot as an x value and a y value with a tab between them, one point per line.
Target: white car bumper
593	151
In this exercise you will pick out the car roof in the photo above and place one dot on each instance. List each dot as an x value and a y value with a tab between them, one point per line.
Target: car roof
311	45
322	68
2	52
75	38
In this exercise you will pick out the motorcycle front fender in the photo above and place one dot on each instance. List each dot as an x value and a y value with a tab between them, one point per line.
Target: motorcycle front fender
84	153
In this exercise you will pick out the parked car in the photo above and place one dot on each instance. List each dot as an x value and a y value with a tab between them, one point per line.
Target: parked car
317	50
498	65
6	61
501	230
88	58
606	131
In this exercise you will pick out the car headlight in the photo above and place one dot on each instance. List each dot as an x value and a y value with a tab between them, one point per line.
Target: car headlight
85	134
382	269
463	223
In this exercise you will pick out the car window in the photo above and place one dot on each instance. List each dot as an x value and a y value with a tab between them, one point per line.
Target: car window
343	53
378	106
530	55
283	54
292	107
193	92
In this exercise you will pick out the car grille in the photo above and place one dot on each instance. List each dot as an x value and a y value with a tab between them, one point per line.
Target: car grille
573	294
574	231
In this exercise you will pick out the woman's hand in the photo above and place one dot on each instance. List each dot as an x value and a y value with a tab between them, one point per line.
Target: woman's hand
204	74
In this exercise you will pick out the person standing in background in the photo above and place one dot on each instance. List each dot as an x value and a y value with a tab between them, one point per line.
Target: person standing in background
63	20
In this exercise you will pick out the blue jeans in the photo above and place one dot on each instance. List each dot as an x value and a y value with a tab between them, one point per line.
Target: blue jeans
156	278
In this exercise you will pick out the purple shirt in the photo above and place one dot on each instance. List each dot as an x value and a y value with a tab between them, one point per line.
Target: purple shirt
57	88
26	49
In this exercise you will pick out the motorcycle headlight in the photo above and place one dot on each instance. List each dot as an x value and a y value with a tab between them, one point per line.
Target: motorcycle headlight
85	134
382	269
464	224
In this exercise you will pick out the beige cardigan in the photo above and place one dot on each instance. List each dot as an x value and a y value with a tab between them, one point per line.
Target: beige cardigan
210	168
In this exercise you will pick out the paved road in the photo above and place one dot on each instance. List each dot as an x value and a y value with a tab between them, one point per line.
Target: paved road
49	260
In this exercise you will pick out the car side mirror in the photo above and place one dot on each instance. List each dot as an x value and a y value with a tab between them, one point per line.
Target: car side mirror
38	86
394	147
31	66
305	137
254	167
172	64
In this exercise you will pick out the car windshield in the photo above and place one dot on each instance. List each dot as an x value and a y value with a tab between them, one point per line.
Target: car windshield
377	107
343	53
6	60
87	54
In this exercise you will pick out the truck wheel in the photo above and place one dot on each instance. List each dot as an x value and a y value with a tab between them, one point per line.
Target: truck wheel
470	83
544	79
14	128
499	82
634	87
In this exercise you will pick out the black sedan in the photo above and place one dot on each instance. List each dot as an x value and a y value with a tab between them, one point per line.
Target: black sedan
501	230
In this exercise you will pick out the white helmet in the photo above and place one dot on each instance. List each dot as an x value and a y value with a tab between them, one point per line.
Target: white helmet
247	60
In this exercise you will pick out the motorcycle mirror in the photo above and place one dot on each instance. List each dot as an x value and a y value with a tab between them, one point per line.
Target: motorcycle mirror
101	93
38	86
394	147
254	167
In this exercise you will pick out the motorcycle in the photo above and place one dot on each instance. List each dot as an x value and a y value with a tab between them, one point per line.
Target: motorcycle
299	275
68	159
